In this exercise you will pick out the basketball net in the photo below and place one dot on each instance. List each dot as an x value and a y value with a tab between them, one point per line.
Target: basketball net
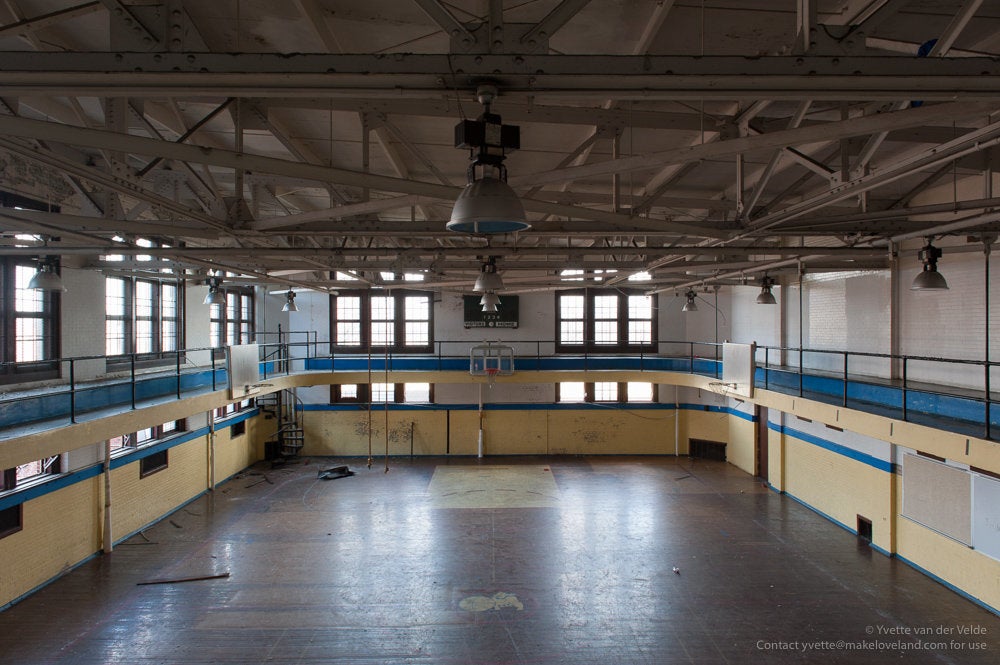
491	375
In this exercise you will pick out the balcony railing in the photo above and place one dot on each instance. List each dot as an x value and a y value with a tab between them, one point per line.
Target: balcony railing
948	393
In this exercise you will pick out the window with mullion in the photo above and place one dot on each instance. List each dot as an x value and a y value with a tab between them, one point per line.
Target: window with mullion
141	316
116	319
28	321
606	321
232	323
168	317
380	320
146	316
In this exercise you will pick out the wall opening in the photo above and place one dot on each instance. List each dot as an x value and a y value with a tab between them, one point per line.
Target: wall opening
864	529
713	450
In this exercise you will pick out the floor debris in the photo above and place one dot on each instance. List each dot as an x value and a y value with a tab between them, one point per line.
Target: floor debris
177	580
335	472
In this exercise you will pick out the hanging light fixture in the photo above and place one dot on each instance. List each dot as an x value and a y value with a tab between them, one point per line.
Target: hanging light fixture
487	205
766	297
47	278
215	296
290	305
929	279
490	301
690	305
489	278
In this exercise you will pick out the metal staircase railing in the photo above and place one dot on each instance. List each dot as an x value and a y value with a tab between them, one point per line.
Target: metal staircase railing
289	436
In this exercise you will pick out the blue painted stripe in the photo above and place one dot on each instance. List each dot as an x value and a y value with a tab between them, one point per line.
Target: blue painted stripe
856	455
820	513
19	496
880	550
50	580
949	585
533	406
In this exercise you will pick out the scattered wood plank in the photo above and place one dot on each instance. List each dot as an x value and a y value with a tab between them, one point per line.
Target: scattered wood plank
177	580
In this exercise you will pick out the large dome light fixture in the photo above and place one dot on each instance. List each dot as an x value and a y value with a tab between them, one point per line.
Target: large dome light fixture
47	278
766	297
215	296
490	301
290	305
489	278
929	279
691	305
487	205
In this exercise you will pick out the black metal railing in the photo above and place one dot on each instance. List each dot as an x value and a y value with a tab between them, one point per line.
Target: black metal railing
857	379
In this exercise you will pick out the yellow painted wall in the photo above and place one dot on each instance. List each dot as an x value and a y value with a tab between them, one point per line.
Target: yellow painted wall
776	459
60	530
514	432
965	568
706	425
232	455
63	528
840	487
345	433
135	501
741	447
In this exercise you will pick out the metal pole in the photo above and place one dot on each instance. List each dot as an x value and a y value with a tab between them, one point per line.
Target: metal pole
800	370
845	378
178	365
987	246
904	388
107	537
480	449
72	391
132	359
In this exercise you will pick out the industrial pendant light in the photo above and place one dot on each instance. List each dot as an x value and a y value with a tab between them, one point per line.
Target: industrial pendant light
690	305
929	279
290	305
487	205
215	296
766	297
47	279
489	278
490	301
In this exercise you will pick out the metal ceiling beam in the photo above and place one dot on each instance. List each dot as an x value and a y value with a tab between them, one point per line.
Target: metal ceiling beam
30	25
955	28
578	76
445	20
802	135
512	110
108	181
228	159
262	254
553	21
967	144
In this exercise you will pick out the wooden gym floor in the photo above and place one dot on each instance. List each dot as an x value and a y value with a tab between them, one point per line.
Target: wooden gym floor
509	560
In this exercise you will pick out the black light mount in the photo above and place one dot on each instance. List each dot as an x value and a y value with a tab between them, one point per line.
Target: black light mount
487	138
487	205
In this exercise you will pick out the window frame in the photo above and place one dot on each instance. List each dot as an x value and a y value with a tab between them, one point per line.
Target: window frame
590	322
154	463
364	392
11	369
590	393
398	334
130	319
223	316
158	434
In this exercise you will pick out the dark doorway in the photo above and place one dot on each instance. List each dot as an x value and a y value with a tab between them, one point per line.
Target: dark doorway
713	450
761	414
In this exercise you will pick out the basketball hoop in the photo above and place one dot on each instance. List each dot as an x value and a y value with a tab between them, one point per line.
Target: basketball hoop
491	375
